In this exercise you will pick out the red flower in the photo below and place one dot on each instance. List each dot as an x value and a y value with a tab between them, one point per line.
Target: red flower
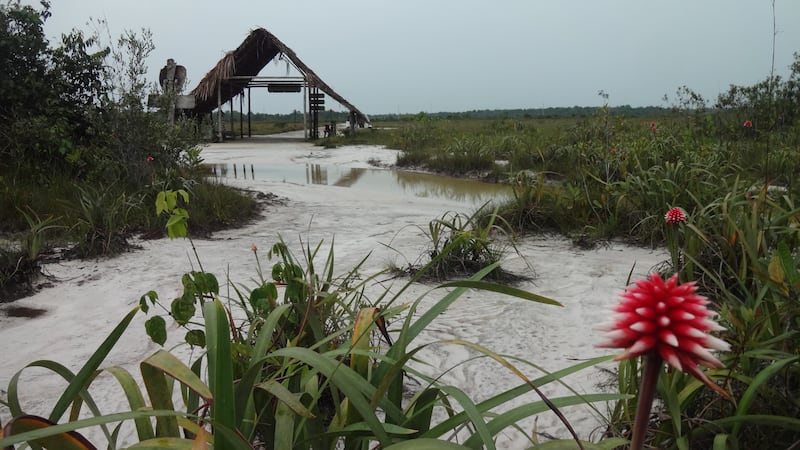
669	319
613	151
748	124
253	248
150	159
675	216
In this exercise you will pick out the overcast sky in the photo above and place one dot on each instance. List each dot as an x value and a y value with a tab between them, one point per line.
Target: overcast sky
408	56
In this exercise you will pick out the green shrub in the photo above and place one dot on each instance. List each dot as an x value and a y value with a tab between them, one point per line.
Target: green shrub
103	220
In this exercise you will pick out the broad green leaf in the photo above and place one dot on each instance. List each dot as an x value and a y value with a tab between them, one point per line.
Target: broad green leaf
169	364
263	298
160	394
182	309
184	195
152	296
156	328
161	203
206	282
220	371
260	298
284	426
196	338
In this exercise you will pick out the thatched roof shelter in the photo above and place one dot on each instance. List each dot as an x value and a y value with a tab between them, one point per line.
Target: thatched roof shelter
234	72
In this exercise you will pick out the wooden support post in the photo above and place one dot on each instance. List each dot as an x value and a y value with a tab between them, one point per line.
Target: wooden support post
231	109
249	124
241	116
305	105
219	110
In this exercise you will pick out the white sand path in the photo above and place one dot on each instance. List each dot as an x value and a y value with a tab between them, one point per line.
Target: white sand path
88	298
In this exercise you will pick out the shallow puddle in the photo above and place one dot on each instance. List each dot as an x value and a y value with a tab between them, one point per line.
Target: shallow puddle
23	311
383	180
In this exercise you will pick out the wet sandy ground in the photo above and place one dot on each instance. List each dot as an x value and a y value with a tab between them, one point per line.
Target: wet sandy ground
88	298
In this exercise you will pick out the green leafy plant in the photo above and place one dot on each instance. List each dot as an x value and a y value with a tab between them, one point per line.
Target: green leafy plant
461	245
167	203
102	225
35	237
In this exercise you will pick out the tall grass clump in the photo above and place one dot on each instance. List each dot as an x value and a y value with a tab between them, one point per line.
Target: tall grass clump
460	245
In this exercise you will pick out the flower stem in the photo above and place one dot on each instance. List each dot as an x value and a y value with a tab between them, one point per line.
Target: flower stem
647	391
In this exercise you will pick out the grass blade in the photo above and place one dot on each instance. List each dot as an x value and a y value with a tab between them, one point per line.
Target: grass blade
357	390
87	371
502	289
220	370
752	390
475	416
67	440
82	423
144	430
425	444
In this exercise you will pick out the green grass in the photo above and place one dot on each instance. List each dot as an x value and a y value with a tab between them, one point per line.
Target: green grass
98	219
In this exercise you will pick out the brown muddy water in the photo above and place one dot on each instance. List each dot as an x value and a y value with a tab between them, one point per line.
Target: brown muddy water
415	184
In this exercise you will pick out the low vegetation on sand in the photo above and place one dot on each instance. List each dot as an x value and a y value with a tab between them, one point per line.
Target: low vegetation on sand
302	358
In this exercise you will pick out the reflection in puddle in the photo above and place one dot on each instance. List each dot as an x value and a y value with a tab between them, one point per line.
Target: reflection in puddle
382	180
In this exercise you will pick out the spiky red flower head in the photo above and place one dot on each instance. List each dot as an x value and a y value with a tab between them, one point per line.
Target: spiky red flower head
150	159
748	124
675	216
668	318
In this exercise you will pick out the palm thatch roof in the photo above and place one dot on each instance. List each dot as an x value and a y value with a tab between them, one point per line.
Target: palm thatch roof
259	48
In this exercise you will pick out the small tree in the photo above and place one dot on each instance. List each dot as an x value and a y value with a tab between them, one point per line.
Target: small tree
46	95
